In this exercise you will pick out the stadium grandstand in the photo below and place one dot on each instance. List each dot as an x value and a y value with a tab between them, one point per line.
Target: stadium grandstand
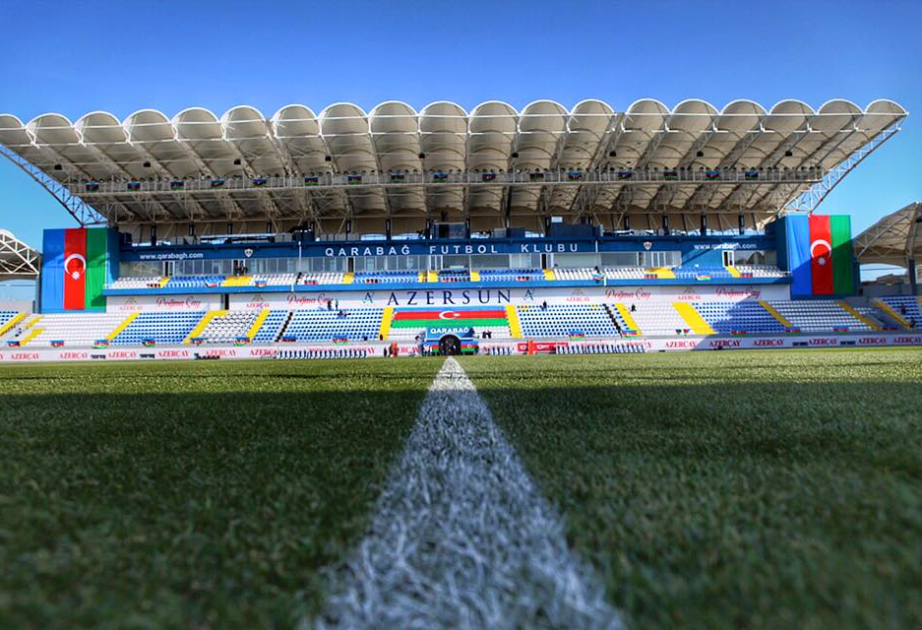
496	230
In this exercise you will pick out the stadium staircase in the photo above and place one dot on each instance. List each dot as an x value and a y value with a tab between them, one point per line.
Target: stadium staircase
515	326
781	319
811	316
9	320
261	318
890	312
622	315
865	315
905	307
386	319
746	317
693	319
286	320
125	323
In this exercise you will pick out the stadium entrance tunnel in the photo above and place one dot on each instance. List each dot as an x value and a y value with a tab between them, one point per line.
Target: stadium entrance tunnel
449	346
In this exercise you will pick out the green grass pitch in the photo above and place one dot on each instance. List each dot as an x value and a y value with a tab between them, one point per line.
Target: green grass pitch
731	490
725	489
202	494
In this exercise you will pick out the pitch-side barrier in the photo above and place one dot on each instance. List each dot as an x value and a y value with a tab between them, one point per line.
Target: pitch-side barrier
370	350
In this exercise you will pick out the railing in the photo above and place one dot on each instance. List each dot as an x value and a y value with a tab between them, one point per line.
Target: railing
609	177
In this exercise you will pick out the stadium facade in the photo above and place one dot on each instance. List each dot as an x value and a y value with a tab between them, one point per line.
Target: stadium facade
495	230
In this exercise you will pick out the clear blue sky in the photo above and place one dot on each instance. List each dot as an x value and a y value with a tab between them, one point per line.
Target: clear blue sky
79	56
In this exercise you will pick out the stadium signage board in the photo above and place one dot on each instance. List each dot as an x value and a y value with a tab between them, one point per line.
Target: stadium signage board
499	297
162	303
685	344
294	249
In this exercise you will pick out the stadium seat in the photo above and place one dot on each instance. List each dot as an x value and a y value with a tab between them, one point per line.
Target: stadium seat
574	274
74	329
227	328
324	324
561	320
146	282
736	317
272	327
760	271
624	273
311	279
818	316
658	319
511	275
195	282
386	277
907	307
161	328
702	273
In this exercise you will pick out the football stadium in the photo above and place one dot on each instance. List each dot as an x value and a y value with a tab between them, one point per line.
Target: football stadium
152	474
496	231
513	315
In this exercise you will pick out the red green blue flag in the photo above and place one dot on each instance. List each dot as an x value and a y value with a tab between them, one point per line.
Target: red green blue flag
820	256
429	318
76	265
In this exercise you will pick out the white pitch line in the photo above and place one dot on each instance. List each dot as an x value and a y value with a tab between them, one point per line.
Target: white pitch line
461	537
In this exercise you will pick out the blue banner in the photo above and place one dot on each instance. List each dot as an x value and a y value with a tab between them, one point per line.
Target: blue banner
53	271
797	239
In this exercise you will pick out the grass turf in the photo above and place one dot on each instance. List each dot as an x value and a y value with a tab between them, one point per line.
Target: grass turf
190	494
718	490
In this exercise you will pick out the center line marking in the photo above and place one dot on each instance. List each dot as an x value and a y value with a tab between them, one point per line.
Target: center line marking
461	536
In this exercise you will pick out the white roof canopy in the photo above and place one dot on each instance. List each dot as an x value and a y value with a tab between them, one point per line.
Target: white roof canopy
894	240
197	144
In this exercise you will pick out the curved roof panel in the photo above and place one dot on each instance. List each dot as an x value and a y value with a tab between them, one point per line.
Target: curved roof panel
445	144
297	131
893	240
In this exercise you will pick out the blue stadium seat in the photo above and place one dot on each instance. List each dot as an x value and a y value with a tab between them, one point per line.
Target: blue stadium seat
324	325
161	328
560	320
745	316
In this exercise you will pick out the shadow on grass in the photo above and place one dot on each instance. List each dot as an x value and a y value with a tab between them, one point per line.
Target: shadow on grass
759	505
186	510
753	505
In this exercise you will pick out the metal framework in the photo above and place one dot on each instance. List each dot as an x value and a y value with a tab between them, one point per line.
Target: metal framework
494	163
810	199
17	260
895	239
76	206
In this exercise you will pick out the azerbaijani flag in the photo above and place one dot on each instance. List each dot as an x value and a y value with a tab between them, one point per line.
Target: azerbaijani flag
820	255
77	264
434	318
